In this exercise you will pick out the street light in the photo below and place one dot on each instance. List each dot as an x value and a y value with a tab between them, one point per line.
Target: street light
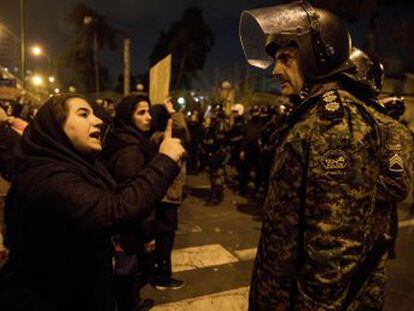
38	51
52	79
37	80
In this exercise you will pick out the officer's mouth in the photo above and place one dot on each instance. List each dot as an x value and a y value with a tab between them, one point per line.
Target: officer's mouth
283	82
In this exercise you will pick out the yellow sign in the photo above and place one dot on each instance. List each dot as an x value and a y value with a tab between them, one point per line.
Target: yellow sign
160	78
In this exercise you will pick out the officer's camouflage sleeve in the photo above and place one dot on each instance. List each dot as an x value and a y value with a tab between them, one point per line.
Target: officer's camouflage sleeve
341	178
396	163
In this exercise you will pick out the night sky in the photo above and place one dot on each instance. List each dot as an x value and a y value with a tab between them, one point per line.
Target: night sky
45	23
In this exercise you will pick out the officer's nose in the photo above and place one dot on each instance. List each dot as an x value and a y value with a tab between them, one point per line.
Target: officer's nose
277	70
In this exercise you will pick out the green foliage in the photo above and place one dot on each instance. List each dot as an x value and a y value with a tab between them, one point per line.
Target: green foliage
189	42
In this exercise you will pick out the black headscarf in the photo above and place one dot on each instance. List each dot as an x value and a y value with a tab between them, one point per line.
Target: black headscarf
124	133
44	144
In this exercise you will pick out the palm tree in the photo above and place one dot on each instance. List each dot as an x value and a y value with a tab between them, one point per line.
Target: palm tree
189	42
91	33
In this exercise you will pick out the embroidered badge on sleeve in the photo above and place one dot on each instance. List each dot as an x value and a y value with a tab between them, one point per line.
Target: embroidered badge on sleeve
335	159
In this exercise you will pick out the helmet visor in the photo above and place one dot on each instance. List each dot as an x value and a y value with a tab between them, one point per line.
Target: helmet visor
278	25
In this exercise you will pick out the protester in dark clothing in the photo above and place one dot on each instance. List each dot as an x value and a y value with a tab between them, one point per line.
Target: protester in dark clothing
64	206
127	152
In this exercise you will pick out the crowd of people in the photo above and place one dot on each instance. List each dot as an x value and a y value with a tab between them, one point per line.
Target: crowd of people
91	189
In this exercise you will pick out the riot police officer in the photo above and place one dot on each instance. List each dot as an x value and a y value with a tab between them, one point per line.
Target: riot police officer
318	214
214	147
249	157
234	139
395	107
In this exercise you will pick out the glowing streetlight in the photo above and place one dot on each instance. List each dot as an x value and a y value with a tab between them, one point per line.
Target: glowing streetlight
52	79
37	50
181	100
37	80
56	90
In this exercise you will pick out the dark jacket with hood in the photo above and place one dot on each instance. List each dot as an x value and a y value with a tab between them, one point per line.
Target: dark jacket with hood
60	214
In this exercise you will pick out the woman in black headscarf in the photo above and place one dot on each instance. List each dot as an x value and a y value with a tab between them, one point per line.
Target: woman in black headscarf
64	206
128	150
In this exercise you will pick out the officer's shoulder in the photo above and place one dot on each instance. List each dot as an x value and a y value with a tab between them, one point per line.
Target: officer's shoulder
330	106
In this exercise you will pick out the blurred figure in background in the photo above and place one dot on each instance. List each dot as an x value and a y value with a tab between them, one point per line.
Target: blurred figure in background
195	129
214	140
250	153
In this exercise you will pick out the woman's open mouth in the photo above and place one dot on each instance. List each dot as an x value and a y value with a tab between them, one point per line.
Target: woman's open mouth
96	135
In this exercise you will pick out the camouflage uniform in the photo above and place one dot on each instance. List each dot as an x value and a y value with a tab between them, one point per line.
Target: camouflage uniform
392	187
319	212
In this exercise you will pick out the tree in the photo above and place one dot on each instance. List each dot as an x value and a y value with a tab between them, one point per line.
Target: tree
78	61
189	42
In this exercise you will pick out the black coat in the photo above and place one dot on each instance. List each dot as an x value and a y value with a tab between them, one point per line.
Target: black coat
60	214
126	153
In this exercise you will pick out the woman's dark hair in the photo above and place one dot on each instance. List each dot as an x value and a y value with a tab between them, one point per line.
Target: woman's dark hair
132	102
59	106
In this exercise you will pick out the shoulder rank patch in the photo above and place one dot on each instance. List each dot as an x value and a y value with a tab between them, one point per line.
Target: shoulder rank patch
396	163
331	107
335	159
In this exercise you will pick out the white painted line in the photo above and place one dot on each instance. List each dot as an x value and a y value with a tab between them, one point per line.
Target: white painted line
232	300
246	254
406	223
201	257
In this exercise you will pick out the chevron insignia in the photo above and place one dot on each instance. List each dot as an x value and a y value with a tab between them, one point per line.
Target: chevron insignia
396	163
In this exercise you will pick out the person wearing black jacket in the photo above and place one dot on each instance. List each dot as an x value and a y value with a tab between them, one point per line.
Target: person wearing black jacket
128	150
63	207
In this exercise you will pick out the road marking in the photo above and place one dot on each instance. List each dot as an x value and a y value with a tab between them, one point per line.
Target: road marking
406	223
232	300
246	254
191	258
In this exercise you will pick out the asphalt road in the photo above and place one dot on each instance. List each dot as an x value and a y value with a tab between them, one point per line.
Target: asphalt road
215	248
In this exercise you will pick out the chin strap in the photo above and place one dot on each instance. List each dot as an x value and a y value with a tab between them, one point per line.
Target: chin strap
304	93
323	54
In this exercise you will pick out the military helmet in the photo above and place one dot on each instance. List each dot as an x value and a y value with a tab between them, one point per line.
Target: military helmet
366	74
323	40
394	106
